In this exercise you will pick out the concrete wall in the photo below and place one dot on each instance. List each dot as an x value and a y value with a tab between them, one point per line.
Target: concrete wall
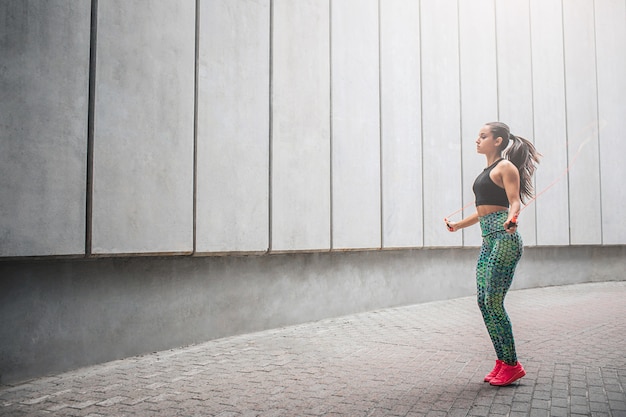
63	314
253	126
300	126
584	184
266	127
401	125
232	192
143	144
44	85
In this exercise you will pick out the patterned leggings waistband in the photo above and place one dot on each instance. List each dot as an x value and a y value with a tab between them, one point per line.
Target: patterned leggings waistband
493	222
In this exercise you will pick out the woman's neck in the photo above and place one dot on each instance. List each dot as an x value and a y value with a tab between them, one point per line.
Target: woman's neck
493	158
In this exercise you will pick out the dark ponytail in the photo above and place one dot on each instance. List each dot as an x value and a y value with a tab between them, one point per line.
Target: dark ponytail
525	157
522	153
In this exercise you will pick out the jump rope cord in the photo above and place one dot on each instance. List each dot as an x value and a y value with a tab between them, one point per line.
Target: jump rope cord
595	131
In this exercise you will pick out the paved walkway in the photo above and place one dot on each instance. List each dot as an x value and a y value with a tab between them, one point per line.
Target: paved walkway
421	360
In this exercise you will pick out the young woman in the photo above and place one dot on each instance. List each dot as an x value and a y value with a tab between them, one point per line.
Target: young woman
500	190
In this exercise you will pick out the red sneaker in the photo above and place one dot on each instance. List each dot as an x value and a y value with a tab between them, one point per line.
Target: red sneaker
508	374
491	375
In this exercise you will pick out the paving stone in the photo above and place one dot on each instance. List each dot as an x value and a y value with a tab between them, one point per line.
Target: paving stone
559	412
560	402
82	405
539	412
414	361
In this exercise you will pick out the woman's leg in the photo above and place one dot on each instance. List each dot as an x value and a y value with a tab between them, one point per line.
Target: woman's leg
506	252
482	271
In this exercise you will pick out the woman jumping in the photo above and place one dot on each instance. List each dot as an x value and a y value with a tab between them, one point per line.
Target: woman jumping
500	190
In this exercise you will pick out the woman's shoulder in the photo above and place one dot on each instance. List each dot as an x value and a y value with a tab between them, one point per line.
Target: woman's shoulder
505	168
505	165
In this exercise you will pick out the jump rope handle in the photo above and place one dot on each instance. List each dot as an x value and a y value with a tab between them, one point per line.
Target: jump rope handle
448	225
513	222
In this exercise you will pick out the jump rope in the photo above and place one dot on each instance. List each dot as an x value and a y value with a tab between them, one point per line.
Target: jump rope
513	222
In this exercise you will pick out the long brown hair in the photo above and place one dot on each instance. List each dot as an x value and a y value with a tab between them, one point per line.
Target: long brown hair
522	153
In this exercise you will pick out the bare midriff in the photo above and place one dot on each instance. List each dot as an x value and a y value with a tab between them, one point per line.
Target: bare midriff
488	209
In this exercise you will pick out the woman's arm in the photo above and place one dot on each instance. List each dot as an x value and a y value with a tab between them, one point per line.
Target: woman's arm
511	181
466	222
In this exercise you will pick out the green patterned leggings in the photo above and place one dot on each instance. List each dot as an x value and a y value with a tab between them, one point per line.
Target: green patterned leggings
498	258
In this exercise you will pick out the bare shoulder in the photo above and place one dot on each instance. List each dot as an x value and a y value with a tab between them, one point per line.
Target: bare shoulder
506	167
505	173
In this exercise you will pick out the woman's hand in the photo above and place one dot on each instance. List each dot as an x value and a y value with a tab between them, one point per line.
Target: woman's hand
511	225
452	226
466	222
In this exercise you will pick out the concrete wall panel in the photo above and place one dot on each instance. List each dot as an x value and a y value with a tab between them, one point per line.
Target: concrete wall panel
301	126
479	96
611	61
374	132
355	125
401	124
233	126
441	115
44	72
582	123
550	121
515	88
60	314
144	122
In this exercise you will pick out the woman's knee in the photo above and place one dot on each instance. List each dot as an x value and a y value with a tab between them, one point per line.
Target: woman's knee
494	304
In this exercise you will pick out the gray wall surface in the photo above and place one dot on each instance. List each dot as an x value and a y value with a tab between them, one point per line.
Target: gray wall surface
272	126
300	135
584	183
44	85
400	109
143	161
63	314
286	134
232	193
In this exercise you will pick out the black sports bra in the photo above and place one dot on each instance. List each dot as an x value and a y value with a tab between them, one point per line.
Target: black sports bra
487	192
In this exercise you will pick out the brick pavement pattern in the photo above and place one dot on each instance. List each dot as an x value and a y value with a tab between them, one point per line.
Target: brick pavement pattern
420	360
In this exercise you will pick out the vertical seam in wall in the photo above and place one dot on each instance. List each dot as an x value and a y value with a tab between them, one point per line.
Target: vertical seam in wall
567	148
270	127
380	129
532	108
495	41
93	37
195	129
458	26
595	50
330	116
421	83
